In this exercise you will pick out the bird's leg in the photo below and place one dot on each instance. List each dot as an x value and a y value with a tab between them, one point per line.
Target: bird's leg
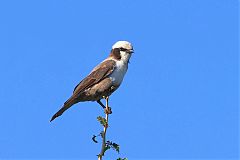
107	110
101	104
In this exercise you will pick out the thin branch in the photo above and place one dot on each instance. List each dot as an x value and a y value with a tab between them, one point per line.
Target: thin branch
107	112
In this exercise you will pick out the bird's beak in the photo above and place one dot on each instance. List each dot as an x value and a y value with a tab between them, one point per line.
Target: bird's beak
131	51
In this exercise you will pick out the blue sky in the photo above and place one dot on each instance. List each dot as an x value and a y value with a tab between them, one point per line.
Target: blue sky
179	99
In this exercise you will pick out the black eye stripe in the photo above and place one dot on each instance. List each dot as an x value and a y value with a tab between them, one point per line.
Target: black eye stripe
122	49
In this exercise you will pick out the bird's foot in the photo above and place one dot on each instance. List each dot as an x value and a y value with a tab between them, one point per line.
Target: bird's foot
108	110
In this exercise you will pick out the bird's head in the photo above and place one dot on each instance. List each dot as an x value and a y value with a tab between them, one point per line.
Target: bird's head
122	50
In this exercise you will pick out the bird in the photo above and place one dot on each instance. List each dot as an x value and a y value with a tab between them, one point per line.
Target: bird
103	80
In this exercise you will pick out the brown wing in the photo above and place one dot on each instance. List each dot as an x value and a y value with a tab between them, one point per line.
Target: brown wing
98	74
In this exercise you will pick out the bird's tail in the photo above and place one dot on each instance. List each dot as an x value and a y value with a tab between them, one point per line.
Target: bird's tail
71	101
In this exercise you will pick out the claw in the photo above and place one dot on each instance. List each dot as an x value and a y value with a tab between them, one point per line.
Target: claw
108	110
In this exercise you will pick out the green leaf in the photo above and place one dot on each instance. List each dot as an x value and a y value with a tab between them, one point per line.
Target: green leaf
107	147
94	139
122	159
116	147
102	121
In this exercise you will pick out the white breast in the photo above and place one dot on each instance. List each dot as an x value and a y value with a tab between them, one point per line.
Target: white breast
119	72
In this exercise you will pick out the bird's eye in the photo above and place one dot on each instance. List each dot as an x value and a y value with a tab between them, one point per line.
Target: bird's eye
122	49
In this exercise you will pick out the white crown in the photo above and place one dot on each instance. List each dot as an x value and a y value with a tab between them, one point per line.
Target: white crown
123	44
